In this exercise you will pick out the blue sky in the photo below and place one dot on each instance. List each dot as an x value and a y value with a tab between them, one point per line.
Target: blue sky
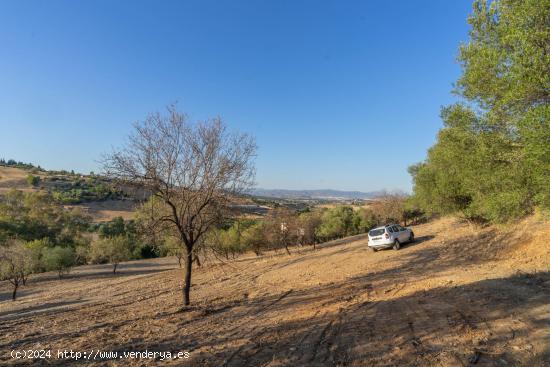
339	94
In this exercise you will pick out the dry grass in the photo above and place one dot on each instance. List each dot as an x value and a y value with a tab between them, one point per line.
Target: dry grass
13	178
457	293
104	211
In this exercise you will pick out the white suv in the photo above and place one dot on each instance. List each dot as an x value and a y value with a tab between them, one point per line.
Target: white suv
390	235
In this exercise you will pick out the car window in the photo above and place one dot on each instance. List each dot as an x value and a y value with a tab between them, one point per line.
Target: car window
400	228
395	229
377	232
390	229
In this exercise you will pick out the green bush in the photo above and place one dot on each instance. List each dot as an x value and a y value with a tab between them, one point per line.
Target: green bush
255	238
112	250
33	180
341	221
37	248
58	258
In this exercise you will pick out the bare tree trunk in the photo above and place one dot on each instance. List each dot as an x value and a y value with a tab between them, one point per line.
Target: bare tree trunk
24	278
114	268
14	294
198	261
187	283
179	260
286	248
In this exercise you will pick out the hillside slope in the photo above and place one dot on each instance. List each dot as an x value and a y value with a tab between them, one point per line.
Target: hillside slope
99	210
459	295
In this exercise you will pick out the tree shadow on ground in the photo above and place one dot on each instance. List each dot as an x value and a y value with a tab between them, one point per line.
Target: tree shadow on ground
440	325
45	307
501	321
7	296
105	273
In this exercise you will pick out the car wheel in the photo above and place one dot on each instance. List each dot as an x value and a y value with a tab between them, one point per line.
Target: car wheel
411	238
396	245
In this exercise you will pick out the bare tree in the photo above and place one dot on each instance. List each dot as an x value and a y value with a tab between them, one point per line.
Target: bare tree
15	265
389	207
191	170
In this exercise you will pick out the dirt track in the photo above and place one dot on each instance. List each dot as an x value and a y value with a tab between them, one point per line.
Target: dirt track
450	299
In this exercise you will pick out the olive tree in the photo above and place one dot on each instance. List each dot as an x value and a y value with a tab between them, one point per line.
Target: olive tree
255	237
191	170
113	250
57	258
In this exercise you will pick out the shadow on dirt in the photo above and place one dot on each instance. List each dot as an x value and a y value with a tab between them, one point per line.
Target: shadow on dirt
43	307
363	321
446	325
106	272
498	321
6	296
417	241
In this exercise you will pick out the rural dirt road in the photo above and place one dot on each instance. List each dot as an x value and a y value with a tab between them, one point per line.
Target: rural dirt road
457	297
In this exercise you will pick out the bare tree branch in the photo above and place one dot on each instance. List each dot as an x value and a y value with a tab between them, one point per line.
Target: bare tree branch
192	170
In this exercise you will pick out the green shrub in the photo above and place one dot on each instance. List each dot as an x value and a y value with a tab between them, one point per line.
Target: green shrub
338	222
37	248
33	180
58	258
112	250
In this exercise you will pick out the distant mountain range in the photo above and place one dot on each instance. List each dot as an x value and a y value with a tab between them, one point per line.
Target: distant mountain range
327	194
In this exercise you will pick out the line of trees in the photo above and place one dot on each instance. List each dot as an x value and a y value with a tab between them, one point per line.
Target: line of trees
18	164
283	228
491	161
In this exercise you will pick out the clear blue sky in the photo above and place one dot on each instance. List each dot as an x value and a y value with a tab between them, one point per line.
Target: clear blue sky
339	94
